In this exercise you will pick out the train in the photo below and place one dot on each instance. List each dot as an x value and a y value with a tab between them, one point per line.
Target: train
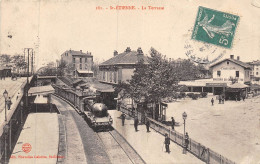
96	113
91	107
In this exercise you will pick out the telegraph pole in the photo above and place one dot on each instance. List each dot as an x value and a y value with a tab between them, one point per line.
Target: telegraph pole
27	84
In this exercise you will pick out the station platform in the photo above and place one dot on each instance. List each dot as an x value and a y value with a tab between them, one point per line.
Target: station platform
38	141
150	145
15	91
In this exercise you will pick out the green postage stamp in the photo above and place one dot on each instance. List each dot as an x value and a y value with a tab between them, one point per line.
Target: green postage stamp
215	27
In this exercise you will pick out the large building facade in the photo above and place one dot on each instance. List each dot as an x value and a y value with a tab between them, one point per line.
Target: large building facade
231	69
81	62
120	68
231	78
255	73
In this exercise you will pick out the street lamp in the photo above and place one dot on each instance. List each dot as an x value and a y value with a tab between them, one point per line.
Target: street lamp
21	111
5	94
184	116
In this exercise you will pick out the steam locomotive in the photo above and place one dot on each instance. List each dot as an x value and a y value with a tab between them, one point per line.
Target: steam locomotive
92	108
96	114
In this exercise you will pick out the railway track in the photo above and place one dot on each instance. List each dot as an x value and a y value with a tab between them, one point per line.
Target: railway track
118	149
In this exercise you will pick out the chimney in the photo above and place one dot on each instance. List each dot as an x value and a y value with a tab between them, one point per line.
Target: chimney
140	54
231	56
80	51
128	49
115	53
238	58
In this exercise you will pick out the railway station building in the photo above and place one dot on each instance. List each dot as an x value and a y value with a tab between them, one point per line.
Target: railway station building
120	67
231	77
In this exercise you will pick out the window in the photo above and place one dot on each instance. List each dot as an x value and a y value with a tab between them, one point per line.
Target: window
256	68
104	76
74	60
237	73
115	80
86	59
227	62
80	60
80	66
74	66
86	66
219	73
256	73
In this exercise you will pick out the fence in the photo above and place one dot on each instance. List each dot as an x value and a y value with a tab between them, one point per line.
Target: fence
200	151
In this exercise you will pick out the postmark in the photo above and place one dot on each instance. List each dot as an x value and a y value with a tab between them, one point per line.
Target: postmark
201	52
215	27
26	147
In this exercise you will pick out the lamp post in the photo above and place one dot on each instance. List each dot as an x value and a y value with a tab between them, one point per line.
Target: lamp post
5	94
184	116
21	111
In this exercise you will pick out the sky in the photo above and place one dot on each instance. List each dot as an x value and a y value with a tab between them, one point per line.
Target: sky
54	26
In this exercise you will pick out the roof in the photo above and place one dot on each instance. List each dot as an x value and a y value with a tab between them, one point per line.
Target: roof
237	85
46	77
99	86
84	71
79	53
124	58
257	62
41	90
77	81
4	67
245	65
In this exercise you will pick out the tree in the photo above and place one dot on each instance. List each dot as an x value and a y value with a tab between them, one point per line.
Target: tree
153	81
19	62
5	58
64	68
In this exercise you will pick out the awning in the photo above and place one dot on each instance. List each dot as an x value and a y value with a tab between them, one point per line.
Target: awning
41	90
85	71
237	85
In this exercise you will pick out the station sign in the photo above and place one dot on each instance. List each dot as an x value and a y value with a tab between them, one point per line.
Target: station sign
216	84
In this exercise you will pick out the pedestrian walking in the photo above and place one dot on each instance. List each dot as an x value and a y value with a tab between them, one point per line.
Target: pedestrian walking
118	105
223	99
212	101
219	99
187	141
136	123
167	143
173	123
147	125
244	97
9	103
123	118
236	97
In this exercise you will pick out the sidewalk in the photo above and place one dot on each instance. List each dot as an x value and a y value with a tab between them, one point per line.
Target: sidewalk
41	131
15	91
150	145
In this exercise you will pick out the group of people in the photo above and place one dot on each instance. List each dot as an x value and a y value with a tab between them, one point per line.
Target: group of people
147	123
167	140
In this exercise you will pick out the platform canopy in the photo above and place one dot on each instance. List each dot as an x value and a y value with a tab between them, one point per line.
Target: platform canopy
237	85
43	90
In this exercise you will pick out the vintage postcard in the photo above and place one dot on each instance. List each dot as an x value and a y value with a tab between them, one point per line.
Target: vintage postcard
129	81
